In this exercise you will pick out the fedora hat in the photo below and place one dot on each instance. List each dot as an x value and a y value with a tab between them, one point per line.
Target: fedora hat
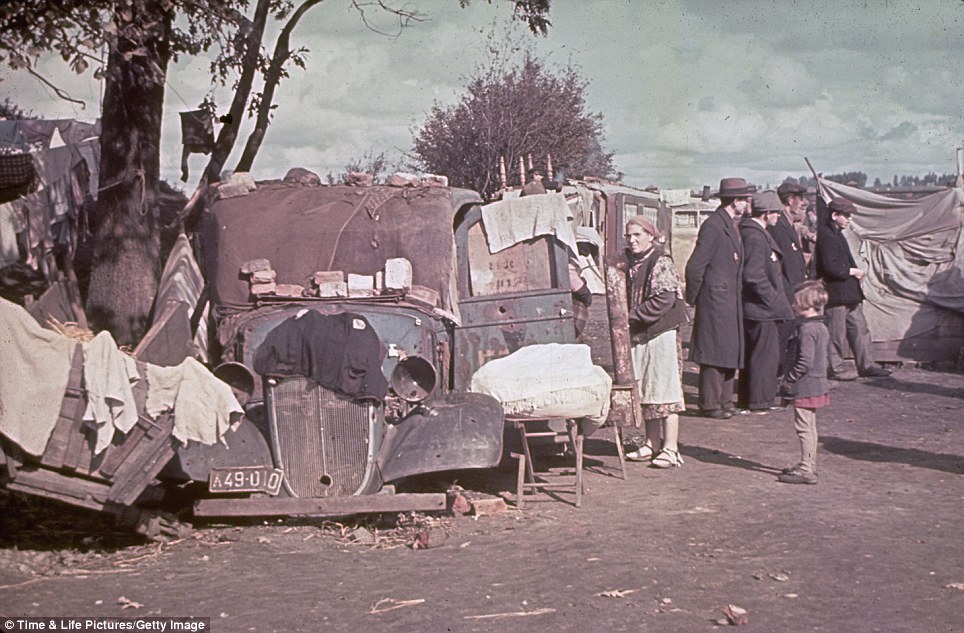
766	202
734	188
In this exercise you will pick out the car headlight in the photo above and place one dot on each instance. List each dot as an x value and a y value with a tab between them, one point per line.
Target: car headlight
414	379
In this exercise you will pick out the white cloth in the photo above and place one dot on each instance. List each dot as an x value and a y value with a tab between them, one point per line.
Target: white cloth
656	365
34	368
552	380
204	406
509	222
9	251
109	375
675	197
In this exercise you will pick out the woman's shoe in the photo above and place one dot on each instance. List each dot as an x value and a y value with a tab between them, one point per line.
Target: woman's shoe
642	454
795	469
799	477
668	459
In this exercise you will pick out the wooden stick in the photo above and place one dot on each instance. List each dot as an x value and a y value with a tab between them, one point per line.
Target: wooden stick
512	614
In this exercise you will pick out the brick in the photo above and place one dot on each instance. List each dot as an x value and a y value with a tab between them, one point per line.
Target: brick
488	507
263	276
433	180
360	285
242	179
327	276
398	273
333	289
403	180
255	265
423	296
232	190
290	290
360	179
263	289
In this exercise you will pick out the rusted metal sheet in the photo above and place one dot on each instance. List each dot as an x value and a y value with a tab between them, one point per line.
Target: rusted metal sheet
519	296
456	431
494	327
331	506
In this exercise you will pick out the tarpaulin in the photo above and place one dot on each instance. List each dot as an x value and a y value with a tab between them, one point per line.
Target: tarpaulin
914	254
305	229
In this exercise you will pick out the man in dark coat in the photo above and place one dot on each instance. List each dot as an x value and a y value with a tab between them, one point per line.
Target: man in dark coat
793	264
713	284
765	304
845	315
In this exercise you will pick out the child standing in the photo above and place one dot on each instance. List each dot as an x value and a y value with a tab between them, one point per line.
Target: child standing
805	382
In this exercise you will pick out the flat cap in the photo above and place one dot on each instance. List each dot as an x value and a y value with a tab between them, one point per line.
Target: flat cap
790	189
766	202
841	206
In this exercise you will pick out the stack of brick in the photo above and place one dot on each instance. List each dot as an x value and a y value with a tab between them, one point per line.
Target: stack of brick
261	277
262	280
328	283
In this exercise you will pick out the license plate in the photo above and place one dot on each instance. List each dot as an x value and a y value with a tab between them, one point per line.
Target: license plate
245	479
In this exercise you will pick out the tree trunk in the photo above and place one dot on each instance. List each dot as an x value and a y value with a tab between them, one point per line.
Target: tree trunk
126	265
254	33
271	80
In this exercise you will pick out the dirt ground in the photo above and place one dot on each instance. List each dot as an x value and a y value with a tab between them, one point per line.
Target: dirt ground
877	545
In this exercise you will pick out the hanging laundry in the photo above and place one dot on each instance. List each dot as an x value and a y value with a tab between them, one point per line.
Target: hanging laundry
197	136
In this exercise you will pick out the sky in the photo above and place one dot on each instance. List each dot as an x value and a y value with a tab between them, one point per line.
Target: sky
690	91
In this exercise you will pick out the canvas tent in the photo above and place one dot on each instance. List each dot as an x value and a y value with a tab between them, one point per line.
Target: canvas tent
913	251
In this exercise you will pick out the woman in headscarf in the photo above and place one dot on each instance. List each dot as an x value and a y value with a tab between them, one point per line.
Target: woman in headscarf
656	312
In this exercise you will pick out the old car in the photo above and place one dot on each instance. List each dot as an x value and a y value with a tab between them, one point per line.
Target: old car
349	321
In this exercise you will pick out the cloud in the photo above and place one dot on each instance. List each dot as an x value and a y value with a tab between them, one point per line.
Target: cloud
690	90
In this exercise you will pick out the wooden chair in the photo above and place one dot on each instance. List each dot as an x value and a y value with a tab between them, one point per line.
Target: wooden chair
541	427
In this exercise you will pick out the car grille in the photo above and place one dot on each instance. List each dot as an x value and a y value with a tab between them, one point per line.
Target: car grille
320	439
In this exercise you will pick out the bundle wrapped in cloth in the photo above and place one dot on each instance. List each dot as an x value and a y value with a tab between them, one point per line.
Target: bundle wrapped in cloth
551	381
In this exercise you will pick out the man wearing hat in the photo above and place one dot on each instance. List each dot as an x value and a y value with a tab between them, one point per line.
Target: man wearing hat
535	185
765	304
793	263
845	315
714	275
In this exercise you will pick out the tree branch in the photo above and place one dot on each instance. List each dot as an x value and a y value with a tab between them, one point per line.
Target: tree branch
60	92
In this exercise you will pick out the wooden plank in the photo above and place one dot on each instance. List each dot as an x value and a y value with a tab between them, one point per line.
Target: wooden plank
333	506
76	444
623	411
116	454
149	454
71	410
56	303
132	487
51	485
